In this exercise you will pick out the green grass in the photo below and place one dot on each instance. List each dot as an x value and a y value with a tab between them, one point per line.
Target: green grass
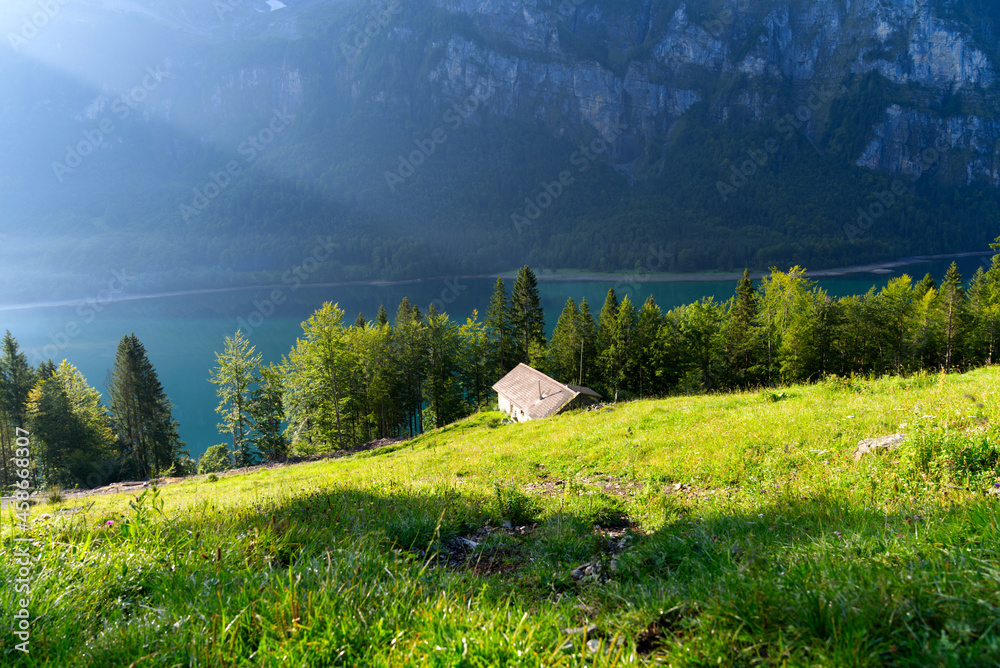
730	530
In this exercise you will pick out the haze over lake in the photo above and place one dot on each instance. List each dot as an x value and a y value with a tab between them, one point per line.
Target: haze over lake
183	332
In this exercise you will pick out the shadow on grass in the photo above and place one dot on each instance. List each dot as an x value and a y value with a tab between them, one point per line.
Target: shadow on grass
818	581
803	581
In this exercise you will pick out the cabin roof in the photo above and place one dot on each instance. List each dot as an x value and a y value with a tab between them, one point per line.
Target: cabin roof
538	395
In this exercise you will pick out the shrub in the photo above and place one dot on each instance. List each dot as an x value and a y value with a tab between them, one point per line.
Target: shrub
215	459
511	504
946	455
188	466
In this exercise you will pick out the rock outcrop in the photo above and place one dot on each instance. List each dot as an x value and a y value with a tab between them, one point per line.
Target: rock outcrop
610	65
879	445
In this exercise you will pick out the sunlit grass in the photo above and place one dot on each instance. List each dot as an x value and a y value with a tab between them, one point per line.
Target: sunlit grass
718	530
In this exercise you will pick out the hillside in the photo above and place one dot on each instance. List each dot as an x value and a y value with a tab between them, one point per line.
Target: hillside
213	144
725	529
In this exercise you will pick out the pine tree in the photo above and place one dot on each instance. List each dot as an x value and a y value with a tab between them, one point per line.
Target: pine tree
474	371
647	327
234	376
743	364
928	337
619	358
17	377
566	345
700	326
168	448
605	331
501	335
442	392
984	302
783	297
953	308
527	319
267	412
926	284
670	358
801	338
16	380
587	369
378	378
382	318
894	322
411	359
45	370
829	318
141	413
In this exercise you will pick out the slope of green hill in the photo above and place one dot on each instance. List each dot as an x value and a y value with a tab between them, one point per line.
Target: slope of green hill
712	530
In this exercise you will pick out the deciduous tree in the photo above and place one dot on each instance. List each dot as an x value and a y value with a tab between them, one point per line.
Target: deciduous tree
69	428
234	376
316	369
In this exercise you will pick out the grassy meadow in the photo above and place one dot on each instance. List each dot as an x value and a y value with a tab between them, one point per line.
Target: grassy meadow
732	530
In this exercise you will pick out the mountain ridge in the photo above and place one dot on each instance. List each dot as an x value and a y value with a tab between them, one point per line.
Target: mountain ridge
679	96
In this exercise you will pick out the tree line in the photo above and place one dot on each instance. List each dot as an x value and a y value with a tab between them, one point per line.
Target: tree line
76	439
342	384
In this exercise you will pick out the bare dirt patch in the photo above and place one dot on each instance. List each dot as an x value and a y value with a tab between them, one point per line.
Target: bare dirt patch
614	486
546	487
610	485
467	552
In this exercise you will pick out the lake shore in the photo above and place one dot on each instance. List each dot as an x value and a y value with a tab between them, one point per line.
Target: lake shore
643	277
639	276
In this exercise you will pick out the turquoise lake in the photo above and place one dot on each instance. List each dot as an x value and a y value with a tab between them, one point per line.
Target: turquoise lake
182	332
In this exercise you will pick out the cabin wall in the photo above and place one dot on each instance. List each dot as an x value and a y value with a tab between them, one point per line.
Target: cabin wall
503	403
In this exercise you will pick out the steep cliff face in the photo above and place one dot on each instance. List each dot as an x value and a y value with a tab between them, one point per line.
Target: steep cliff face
628	71
428	135
624	71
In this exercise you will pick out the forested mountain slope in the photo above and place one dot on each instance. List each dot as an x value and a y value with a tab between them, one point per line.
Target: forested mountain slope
210	144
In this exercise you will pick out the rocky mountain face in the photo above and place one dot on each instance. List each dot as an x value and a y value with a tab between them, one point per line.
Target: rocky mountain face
630	70
700	129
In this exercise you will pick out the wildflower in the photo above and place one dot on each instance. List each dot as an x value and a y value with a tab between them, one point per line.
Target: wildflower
111	523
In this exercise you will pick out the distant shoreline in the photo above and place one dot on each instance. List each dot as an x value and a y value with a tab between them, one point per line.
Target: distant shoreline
638	276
